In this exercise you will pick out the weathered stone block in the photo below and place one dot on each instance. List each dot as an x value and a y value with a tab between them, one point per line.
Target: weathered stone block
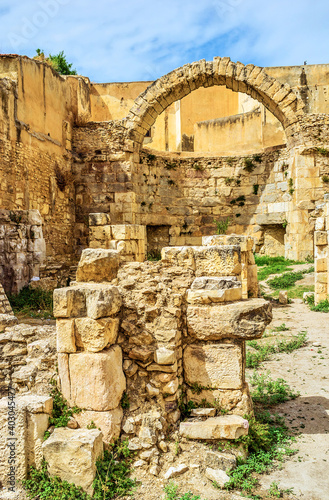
225	427
108	422
99	219
217	475
320	238
97	381
164	356
128	232
65	335
94	335
214	296
245	319
217	260
321	265
71	454
69	302
214	366
98	265
102	302
222	283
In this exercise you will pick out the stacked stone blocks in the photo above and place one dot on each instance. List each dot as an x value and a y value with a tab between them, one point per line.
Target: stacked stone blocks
321	253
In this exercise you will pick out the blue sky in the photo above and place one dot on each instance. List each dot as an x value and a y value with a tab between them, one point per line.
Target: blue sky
142	40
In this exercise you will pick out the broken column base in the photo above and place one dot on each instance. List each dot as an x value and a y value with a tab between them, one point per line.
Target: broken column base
225	427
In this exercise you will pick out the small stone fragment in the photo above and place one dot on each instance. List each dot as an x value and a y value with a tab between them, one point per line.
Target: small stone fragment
218	476
283	297
176	471
203	412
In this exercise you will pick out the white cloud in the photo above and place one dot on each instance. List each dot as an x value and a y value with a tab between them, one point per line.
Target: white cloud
140	40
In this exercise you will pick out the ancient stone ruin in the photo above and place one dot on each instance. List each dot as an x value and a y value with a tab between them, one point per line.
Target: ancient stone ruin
85	201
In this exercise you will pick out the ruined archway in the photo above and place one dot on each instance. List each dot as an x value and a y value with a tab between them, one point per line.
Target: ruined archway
278	98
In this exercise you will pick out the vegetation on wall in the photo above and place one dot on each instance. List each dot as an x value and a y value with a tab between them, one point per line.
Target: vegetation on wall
222	225
58	62
34	302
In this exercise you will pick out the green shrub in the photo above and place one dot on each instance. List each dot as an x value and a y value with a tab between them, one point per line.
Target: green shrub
154	255
255	188
249	165
172	493
323	151
57	61
286	280
263	352
33	301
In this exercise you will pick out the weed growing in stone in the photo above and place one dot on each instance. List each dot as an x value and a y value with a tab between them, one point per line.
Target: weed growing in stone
273	265
112	473
61	413
125	401
222	225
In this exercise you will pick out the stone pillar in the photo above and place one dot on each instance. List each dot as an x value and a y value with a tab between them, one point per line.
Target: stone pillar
321	253
128	239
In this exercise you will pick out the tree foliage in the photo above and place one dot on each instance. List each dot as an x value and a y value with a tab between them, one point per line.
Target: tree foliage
58	62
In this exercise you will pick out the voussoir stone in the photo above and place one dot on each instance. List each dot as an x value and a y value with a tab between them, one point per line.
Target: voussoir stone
97	380
98	265
224	427
71	454
243	319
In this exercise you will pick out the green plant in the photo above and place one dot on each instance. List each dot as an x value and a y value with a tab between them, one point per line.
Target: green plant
263	352
154	255
61	412
273	265
112	473
172	493
228	180
323	151
284	223
15	217
281	328
268	441
125	404
257	158
41	485
291	191
274	490
92	425
222	225
57	61
238	201
229	160
286	280
249	165
255	188
325	178
268	392
35	302
322	306
151	157
171	182
198	167
291	182
171	166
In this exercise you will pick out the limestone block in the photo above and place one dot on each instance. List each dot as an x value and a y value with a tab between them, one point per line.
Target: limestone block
96	379
99	219
164	356
223	461
222	283
319	224
214	296
7	320
23	422
171	387
321	265
225	427
320	238
217	260
128	232
108	422
97	237
176	471
154	367
69	302
102	302
179	256
245	319
34	218
283	297
65	335
213	365
217	475
321	278
95	334
71	454
203	412
64	374
98	265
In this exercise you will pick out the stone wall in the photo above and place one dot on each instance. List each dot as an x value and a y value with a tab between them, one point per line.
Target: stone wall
151	336
321	248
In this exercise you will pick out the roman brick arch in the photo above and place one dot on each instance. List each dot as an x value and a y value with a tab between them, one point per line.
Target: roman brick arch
278	98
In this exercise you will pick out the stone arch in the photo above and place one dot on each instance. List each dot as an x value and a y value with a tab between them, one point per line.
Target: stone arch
277	97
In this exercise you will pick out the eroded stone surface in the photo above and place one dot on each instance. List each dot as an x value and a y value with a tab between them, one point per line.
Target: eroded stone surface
71	454
98	265
225	427
109	422
94	335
